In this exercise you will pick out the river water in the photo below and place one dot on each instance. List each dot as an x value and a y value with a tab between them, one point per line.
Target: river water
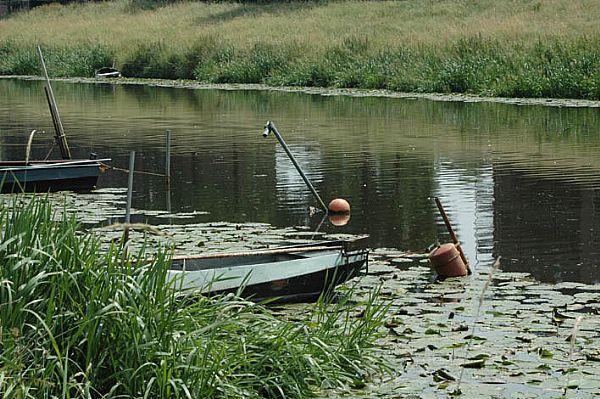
519	181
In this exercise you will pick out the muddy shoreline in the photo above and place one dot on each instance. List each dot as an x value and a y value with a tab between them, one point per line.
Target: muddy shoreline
323	91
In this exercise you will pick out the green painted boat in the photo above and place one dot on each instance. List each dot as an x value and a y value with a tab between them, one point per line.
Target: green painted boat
289	274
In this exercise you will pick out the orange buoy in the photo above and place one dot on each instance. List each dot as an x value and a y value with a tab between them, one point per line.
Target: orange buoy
339	219
339	205
447	261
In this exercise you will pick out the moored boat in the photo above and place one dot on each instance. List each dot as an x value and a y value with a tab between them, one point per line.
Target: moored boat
42	176
291	274
107	72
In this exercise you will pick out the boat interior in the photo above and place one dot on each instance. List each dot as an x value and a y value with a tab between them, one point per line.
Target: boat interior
192	263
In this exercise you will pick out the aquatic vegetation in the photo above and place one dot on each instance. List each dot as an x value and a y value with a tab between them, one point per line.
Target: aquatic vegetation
521	343
79	321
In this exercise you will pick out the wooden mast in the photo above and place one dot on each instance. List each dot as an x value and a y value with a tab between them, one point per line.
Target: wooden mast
61	138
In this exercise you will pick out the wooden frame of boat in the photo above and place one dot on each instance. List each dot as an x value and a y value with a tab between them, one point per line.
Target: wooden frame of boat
42	176
289	274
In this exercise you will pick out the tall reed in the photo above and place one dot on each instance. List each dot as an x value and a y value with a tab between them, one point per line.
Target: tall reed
79	322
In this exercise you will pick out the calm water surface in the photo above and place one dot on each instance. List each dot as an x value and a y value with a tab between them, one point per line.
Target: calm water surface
522	182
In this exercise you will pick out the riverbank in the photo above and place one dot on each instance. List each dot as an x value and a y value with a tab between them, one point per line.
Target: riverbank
323	91
517	49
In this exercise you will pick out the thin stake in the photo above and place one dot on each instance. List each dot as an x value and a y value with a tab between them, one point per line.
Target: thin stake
61	138
270	127
168	197
168	157
130	187
128	207
452	234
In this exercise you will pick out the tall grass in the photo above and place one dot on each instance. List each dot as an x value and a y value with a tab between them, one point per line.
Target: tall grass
80	60
518	48
76	322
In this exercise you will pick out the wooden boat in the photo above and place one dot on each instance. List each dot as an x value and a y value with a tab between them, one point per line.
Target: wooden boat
107	72
42	176
290	274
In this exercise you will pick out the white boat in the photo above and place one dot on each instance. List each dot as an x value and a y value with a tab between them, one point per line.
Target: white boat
107	72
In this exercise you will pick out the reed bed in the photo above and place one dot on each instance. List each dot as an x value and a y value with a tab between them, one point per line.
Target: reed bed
79	322
520	48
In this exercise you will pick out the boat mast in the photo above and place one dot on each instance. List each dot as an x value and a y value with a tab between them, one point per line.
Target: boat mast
61	138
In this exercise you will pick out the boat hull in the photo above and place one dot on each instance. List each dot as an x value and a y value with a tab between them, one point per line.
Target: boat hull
292	278
41	178
303	288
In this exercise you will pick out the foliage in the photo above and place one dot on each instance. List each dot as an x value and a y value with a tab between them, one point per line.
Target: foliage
80	60
486	48
77	322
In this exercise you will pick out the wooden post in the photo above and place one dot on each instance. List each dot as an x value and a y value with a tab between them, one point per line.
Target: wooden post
168	169
168	156
129	196
452	234
130	186
61	138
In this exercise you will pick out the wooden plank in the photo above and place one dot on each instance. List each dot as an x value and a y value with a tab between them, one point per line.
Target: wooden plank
252	253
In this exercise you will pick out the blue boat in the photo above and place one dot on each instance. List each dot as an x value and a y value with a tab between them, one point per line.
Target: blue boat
43	176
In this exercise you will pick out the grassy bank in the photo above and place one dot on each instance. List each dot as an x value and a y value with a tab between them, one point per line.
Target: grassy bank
78	323
520	48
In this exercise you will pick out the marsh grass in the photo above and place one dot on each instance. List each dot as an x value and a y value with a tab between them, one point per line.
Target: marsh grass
79	322
518	48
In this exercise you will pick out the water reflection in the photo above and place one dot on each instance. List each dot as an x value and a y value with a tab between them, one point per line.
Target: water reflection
517	181
545	224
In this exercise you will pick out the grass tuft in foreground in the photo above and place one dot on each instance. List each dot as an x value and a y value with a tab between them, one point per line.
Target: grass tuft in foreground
79	322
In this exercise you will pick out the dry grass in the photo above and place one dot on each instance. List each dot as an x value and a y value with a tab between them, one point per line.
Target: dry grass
297	40
406	23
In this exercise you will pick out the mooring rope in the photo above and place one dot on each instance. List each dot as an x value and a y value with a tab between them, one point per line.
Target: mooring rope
50	151
108	167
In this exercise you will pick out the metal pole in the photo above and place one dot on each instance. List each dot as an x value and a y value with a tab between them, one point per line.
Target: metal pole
168	157
168	197
130	187
270	127
61	138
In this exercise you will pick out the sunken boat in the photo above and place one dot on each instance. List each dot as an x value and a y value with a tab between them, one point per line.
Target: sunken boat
289	274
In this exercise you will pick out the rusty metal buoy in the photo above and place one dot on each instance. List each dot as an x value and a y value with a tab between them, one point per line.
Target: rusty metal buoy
339	219
339	205
447	261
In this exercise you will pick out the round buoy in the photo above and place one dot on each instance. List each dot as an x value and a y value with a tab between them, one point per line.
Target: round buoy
447	261
340	219
339	205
